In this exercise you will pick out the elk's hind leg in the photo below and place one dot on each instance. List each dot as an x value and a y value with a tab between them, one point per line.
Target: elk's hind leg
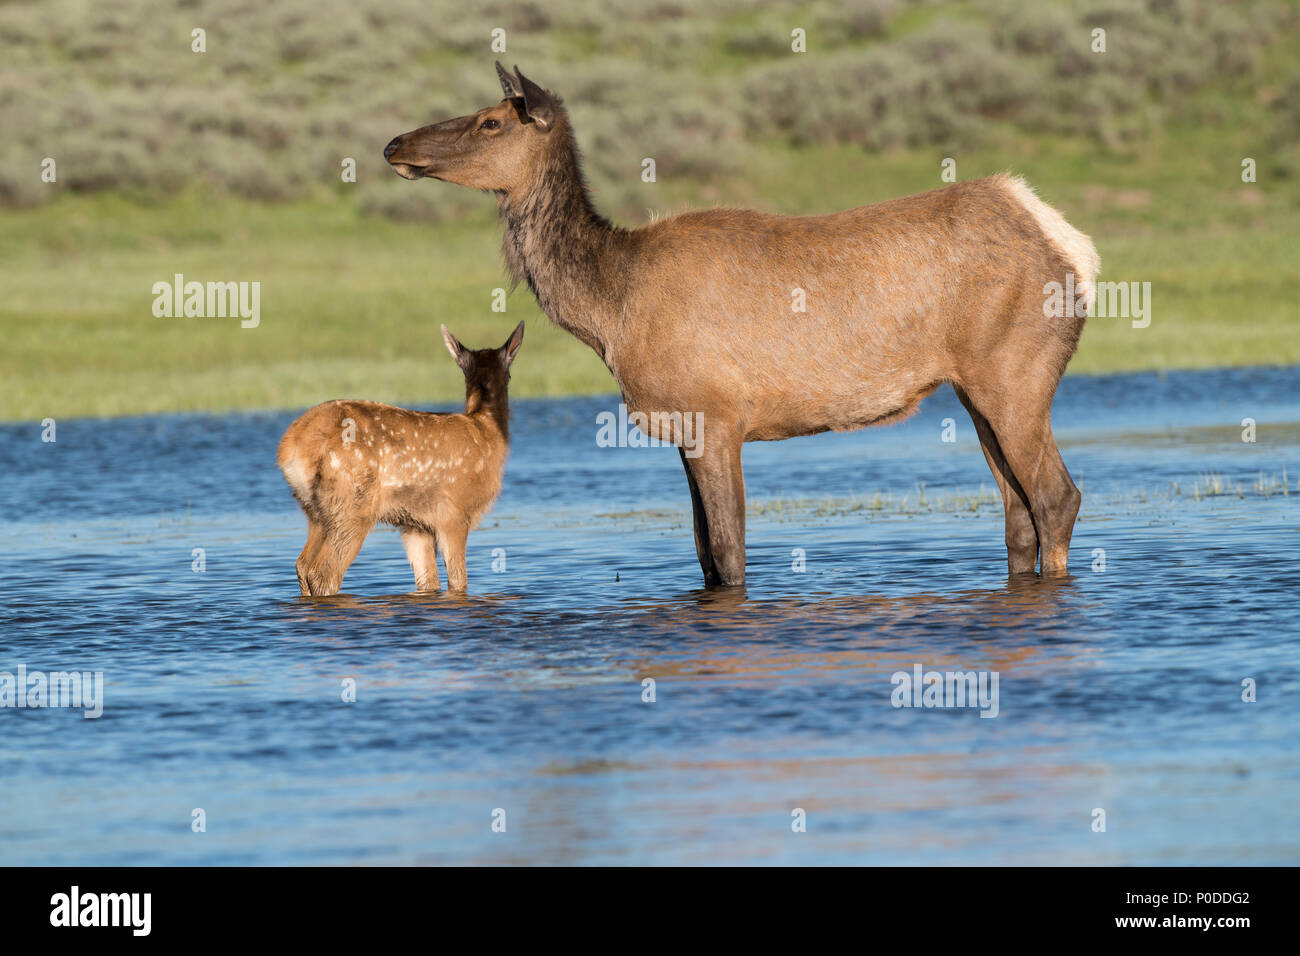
1025	436
1021	536
421	551
338	549
1063	498
718	495
307	559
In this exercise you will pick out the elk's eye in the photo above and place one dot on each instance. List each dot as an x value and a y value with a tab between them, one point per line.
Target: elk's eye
491	124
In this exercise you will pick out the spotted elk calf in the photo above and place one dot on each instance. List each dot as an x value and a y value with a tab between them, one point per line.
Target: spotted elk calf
433	475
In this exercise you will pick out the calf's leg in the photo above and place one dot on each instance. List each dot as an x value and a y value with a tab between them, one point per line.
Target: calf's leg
338	549
421	551
307	560
451	541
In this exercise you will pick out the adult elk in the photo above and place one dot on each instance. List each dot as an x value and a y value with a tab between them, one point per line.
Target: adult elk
693	313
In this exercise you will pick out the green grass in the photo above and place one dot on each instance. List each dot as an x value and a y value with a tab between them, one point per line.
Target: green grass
351	304
1142	151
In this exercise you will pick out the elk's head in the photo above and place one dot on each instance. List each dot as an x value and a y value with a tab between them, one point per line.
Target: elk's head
487	371
496	148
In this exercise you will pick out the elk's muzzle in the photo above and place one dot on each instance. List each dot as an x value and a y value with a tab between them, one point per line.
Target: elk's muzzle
422	152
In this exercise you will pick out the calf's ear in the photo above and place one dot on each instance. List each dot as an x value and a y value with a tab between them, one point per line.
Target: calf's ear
458	351
511	348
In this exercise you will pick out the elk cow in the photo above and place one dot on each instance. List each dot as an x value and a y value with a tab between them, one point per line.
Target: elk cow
693	313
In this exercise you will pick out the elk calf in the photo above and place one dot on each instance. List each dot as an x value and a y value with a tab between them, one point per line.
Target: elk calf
433	475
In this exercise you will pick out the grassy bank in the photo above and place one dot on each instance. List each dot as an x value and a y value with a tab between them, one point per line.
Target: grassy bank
225	166
351	303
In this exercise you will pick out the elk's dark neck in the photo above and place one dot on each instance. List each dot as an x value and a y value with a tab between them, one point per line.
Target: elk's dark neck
480	400
563	248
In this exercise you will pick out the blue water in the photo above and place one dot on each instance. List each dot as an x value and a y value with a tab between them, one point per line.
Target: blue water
1119	689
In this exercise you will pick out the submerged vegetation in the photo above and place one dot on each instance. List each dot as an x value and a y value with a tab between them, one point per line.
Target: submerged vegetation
981	502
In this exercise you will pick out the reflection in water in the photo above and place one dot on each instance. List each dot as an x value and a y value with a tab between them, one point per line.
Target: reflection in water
727	630
1022	602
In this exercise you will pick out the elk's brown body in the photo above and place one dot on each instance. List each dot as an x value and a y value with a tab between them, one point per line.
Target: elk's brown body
352	464
696	313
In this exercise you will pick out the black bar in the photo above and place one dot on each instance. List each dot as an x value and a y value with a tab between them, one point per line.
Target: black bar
333	905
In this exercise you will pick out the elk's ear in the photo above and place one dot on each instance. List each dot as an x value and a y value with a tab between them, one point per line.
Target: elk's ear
511	348
508	86
457	350
537	102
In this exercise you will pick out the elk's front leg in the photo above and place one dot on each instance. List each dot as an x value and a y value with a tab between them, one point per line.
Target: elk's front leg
701	525
718	497
421	552
451	541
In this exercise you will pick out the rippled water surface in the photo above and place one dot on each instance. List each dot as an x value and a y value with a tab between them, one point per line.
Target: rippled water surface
1119	689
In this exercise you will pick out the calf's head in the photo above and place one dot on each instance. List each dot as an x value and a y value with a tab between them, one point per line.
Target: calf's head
487	371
